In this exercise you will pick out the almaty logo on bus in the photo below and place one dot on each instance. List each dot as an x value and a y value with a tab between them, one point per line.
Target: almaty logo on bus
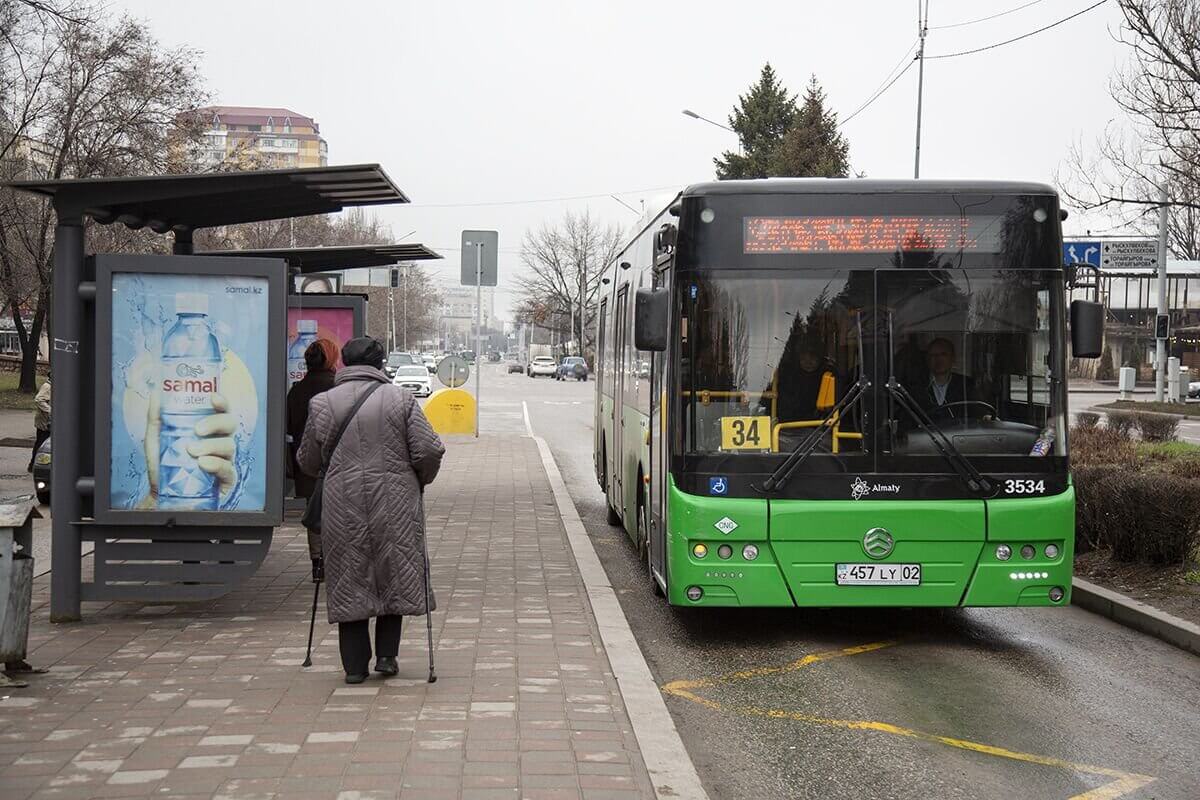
860	488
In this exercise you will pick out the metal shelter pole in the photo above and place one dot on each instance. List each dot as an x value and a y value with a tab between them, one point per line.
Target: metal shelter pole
1160	366
67	411
478	317
183	242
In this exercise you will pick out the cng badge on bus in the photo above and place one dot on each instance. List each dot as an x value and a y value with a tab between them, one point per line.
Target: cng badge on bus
746	433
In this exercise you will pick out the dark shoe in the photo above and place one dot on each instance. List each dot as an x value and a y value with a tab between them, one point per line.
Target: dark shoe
387	666
355	677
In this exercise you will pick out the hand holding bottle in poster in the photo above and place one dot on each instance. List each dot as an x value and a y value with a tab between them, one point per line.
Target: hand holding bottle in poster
190	370
213	448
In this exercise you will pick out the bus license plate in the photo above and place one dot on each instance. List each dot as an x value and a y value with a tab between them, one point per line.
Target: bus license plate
878	574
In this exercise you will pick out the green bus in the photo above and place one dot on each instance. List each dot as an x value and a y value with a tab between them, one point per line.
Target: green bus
831	392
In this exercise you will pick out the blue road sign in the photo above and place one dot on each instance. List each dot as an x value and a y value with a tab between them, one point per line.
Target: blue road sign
718	485
1081	253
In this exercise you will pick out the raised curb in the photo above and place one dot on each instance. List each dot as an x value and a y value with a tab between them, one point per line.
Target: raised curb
1135	614
671	770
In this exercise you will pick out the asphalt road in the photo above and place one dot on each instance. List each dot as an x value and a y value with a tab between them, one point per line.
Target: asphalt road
977	703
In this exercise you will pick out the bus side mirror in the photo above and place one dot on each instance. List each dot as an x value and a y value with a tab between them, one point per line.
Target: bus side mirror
1087	329
650	310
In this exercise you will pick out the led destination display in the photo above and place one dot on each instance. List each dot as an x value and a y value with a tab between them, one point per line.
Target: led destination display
869	234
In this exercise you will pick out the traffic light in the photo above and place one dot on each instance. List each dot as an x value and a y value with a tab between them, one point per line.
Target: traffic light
395	277
1162	326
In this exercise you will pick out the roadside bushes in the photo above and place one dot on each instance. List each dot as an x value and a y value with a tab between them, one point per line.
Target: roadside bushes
1149	517
1102	446
1157	427
1120	422
1087	419
1151	427
1141	501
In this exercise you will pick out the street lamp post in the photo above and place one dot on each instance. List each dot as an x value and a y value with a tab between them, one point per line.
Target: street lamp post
687	112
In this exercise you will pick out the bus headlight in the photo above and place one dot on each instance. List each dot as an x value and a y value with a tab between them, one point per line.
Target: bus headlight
1003	552
694	593
1056	594
725	551
750	552
1028	551
699	550
1051	551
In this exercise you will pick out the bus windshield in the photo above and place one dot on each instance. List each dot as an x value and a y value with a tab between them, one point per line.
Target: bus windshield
770	359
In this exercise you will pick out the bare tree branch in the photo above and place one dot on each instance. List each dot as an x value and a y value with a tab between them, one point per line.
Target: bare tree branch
1159	91
558	259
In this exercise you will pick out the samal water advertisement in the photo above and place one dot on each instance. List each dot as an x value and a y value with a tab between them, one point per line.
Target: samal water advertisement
306	325
189	392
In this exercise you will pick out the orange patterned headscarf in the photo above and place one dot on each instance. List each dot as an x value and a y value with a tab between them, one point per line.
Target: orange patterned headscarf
322	354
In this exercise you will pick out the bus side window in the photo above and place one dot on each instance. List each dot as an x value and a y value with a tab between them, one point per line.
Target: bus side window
601	351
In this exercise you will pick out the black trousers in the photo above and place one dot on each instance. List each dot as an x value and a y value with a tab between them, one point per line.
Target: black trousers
354	642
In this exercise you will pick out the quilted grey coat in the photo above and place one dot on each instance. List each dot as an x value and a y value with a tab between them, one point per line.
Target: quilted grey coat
373	522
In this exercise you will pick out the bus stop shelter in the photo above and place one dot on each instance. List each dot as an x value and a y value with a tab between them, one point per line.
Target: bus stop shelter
157	555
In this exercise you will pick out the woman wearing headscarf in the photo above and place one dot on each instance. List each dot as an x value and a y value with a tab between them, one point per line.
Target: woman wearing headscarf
321	359
373	523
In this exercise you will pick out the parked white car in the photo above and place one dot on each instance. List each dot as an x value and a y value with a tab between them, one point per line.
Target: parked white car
542	365
415	378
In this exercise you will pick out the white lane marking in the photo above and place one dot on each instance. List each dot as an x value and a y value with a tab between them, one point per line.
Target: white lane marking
525	412
671	770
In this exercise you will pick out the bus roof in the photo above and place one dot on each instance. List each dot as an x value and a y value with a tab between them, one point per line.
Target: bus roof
864	186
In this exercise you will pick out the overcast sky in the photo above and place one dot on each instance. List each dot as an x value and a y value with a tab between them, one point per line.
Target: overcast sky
468	105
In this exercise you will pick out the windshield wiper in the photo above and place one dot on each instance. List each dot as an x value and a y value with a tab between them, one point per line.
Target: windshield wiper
781	475
976	481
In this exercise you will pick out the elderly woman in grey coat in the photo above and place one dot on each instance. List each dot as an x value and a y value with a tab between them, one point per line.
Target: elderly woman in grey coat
373	523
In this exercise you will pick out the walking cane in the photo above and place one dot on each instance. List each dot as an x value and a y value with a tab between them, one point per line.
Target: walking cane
428	616
313	624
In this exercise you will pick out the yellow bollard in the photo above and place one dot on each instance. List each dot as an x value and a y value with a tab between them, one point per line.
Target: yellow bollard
451	411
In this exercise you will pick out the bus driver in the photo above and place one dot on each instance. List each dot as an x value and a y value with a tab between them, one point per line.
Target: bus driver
947	390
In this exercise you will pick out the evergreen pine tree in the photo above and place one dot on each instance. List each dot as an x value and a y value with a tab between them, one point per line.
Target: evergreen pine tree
763	115
812	146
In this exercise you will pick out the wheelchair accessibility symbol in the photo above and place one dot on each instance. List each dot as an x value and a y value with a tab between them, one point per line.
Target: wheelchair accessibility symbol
718	485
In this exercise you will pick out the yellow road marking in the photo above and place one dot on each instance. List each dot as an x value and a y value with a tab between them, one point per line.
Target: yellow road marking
1124	782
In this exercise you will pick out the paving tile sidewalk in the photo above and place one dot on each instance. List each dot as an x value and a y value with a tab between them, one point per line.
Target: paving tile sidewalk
209	700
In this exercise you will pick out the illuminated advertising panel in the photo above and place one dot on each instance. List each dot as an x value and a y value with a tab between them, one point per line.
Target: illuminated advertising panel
189	410
336	318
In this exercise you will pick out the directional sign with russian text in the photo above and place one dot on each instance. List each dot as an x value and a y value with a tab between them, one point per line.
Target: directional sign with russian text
1130	254
1081	253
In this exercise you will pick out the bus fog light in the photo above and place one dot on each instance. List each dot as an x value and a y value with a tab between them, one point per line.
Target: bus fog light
1003	552
694	593
725	551
750	552
1028	551
1051	551
1056	594
699	550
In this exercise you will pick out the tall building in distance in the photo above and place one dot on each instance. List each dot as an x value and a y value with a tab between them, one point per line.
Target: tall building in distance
264	138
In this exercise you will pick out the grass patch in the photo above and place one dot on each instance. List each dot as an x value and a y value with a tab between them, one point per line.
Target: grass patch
1183	409
1166	450
10	398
